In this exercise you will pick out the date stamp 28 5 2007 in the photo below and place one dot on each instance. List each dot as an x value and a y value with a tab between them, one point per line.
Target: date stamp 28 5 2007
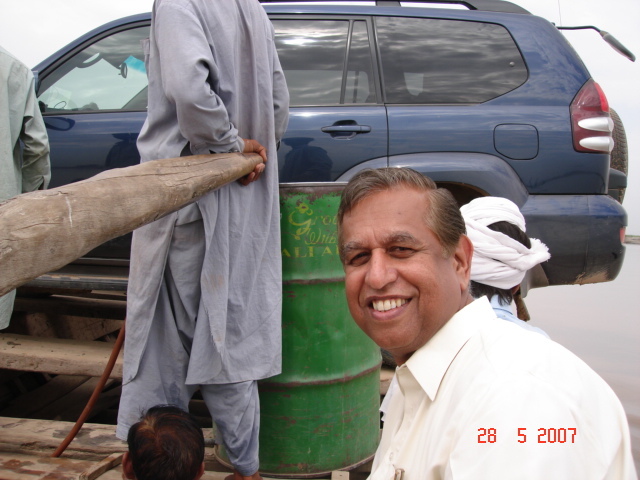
544	435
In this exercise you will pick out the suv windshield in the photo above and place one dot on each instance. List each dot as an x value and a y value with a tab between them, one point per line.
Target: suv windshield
108	75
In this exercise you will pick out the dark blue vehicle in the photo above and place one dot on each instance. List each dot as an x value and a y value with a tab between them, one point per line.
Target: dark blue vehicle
486	100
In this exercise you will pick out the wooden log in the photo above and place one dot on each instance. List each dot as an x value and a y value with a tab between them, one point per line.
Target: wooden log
44	230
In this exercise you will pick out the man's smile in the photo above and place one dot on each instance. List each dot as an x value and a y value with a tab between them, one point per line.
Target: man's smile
387	304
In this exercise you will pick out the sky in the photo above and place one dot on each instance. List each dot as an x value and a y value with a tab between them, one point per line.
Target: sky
34	29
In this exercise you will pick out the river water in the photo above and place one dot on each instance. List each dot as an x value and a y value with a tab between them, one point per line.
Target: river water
600	323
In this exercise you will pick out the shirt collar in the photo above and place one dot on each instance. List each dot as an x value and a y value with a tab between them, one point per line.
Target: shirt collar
430	362
497	305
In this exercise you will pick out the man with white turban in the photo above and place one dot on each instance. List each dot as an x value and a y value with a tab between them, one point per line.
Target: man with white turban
502	255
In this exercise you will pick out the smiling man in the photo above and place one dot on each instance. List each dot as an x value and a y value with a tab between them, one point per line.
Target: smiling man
478	397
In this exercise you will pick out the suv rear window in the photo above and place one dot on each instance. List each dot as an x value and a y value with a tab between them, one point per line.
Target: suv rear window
434	61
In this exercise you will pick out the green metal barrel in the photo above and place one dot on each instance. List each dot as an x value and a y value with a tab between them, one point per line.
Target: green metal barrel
321	413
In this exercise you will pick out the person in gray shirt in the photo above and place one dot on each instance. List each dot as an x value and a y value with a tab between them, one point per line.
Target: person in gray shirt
204	298
24	144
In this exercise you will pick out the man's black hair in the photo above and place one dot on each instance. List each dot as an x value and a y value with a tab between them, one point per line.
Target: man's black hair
166	444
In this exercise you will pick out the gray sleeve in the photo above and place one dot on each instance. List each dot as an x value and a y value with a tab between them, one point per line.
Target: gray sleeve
36	167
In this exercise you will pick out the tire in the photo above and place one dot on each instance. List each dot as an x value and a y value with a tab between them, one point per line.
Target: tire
620	152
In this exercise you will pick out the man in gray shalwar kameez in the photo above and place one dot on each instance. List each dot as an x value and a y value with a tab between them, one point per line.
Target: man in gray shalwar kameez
24	144
204	298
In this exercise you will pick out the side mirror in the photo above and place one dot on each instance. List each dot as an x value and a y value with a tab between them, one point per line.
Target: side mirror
615	43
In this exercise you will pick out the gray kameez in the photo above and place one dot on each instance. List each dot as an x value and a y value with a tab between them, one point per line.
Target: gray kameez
24	146
214	78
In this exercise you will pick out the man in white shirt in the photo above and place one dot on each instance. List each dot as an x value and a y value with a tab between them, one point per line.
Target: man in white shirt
479	397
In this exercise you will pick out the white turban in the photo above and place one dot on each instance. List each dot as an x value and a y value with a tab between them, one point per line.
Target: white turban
499	260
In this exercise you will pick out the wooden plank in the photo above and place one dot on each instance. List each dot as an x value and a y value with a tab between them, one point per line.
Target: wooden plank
113	474
16	466
101	467
52	325
93	442
42	437
44	230
56	356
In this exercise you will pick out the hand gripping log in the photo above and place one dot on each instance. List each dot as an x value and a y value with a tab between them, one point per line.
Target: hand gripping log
44	230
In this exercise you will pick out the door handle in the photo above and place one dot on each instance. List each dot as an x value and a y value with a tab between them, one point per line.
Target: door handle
346	129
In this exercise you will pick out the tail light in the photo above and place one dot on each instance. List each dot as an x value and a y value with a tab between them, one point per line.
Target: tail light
590	120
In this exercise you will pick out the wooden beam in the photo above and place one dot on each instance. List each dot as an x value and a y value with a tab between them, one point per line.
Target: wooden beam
56	355
62	326
44	230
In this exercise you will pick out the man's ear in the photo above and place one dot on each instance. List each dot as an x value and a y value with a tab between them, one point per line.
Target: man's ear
462	257
127	466
200	472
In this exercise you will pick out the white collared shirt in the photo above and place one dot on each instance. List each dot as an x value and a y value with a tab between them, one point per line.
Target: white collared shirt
485	399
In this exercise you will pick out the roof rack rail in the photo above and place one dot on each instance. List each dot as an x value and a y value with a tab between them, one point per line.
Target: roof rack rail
481	5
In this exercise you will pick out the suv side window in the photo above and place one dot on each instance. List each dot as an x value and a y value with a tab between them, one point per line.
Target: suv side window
107	75
436	61
313	54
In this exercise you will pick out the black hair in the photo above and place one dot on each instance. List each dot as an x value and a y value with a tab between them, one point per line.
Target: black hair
166	444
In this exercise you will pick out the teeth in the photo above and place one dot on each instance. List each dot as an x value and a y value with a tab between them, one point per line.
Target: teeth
384	305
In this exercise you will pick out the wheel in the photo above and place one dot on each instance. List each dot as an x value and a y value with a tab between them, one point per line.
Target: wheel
620	152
